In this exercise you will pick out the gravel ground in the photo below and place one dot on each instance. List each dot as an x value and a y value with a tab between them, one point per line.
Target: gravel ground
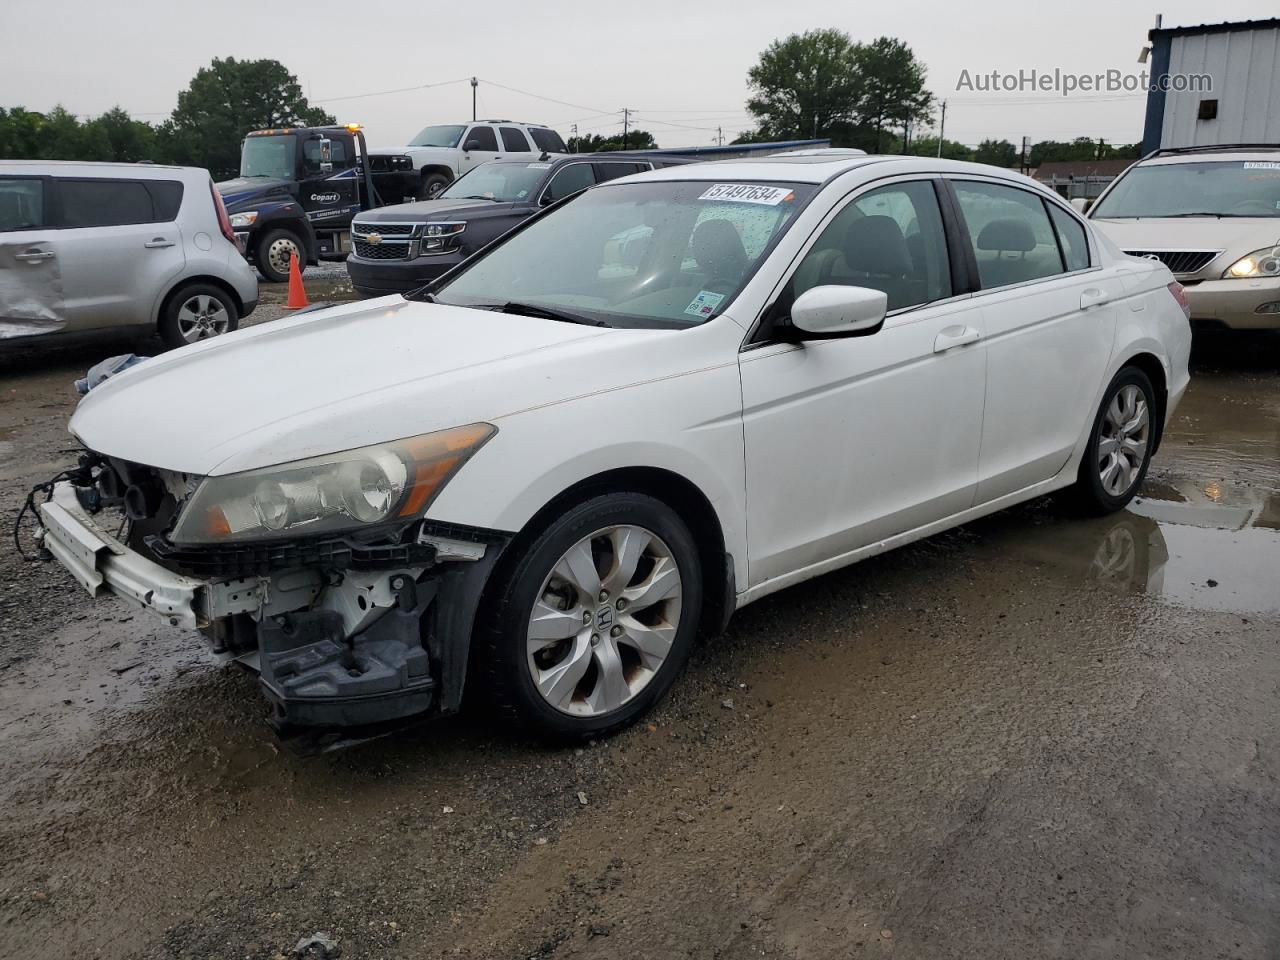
1033	736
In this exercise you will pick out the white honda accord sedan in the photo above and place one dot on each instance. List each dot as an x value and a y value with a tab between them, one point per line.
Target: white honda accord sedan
676	393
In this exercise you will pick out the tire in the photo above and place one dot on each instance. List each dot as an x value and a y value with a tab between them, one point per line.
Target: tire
1112	469
603	662
197	312
273	251
432	184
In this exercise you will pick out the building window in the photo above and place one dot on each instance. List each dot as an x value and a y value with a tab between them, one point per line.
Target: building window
1208	110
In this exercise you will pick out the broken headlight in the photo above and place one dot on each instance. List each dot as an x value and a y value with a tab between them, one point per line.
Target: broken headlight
331	493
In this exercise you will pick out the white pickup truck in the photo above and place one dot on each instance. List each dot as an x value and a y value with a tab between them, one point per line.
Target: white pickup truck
442	153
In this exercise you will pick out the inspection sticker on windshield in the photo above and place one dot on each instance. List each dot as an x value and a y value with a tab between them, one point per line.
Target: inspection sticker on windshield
747	193
1261	165
704	304
538	166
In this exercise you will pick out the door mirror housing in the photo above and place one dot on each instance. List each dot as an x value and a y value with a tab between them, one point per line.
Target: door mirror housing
839	311
471	144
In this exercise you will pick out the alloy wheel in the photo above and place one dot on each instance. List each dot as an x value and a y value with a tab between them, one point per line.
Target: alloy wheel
1123	439
604	620
201	317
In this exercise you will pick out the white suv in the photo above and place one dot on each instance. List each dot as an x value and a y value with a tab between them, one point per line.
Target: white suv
442	153
90	246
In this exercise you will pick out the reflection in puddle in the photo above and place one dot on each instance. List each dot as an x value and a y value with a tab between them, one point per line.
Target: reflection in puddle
1212	547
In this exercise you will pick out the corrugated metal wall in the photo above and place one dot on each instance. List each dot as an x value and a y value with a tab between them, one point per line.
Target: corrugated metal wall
1245	67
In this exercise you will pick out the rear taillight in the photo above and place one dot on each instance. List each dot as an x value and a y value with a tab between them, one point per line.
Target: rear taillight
1175	288
224	222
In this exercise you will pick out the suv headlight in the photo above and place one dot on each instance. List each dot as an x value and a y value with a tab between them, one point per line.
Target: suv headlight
241	220
439	238
1260	263
331	493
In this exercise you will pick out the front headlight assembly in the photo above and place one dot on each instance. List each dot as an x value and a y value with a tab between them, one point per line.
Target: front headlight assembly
241	221
440	238
1260	263
334	493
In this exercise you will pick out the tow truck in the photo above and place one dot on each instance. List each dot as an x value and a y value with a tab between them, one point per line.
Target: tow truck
297	191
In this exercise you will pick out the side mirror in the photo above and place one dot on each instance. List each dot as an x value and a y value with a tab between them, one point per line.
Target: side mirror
1081	205
834	311
472	144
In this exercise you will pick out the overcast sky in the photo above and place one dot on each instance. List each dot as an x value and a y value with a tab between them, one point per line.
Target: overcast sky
681	65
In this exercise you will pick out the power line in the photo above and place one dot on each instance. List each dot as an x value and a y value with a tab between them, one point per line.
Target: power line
383	93
538	96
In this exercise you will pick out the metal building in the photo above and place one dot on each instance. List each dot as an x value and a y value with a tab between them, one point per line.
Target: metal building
1242	62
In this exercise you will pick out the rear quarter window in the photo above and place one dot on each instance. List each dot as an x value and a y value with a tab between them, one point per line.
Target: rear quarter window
547	140
21	203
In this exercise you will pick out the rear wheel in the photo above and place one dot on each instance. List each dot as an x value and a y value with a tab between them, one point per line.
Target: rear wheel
594	619
198	312
274	252
1119	451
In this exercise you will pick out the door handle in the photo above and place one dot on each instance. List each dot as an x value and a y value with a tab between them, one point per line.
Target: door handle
34	256
1092	297
157	243
956	336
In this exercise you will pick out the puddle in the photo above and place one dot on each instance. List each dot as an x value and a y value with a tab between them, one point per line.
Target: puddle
1209	546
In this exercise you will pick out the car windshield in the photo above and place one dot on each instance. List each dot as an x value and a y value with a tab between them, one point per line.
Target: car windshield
269	157
504	182
664	254
1220	188
446	135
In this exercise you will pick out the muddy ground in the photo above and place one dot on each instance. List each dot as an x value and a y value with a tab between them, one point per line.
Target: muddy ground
1035	736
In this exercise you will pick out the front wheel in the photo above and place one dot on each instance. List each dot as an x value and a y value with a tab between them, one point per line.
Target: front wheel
274	252
431	184
594	618
1119	451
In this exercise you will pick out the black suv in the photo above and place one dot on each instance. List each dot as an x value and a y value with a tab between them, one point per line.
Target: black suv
398	249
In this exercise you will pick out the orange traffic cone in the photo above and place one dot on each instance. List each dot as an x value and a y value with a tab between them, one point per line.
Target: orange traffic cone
297	293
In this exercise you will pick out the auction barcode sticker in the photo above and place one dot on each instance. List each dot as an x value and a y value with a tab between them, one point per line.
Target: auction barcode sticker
748	193
1261	165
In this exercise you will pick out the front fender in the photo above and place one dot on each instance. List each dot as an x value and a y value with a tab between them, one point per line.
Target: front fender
689	426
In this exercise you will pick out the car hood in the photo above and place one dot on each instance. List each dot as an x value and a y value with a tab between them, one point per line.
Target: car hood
1236	236
240	190
341	378
434	210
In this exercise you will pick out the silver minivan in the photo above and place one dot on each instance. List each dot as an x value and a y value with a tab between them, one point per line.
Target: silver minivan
91	246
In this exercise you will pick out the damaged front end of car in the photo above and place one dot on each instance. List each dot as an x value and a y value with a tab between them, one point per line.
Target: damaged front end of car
320	574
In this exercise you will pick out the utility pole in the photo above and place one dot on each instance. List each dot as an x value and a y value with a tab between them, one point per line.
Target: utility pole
573	136
719	136
942	127
474	83
626	124
1026	146
815	126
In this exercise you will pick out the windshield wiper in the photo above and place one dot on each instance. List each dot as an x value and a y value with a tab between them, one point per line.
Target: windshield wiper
548	313
1204	213
473	197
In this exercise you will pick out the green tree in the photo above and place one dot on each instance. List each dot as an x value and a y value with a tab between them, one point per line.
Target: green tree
891	91
804	84
998	153
594	143
226	100
928	147
122	138
20	133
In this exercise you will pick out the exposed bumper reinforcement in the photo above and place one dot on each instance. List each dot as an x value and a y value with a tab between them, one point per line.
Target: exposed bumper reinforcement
102	564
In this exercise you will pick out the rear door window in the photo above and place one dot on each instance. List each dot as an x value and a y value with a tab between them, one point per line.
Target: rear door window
103	203
612	169
1013	240
21	203
513	140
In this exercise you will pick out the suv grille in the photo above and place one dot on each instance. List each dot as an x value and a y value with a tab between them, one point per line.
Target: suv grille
383	241
1178	261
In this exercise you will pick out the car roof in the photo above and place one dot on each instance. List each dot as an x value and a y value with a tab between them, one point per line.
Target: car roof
819	168
100	168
